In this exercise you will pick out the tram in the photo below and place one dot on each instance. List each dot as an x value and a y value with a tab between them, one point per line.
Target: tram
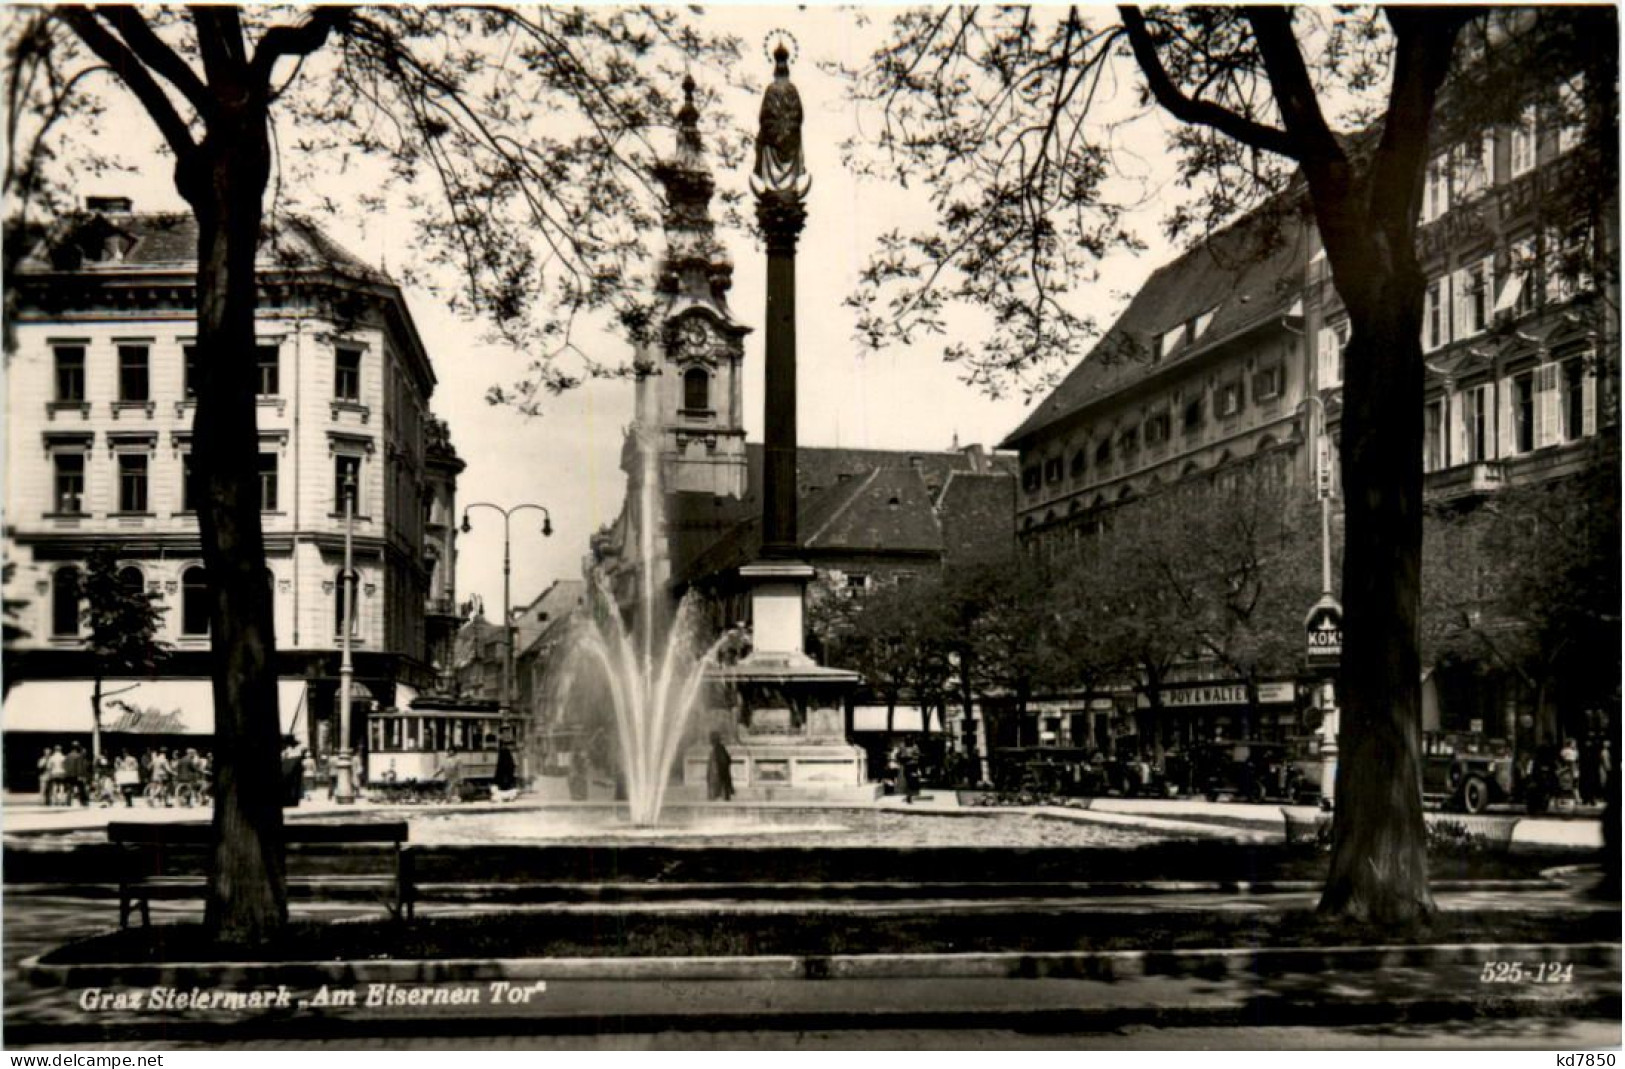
407	746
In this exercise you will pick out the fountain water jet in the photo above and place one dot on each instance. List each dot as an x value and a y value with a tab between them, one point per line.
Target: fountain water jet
653	691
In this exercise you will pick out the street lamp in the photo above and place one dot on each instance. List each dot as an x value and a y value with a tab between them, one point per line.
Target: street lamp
343	772
1328	693
507	568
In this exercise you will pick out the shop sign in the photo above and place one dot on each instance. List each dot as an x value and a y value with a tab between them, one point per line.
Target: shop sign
1323	630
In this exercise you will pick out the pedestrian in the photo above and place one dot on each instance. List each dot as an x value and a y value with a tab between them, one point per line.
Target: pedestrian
44	767
77	771
159	774
56	775
451	769
578	773
505	772
1569	755
127	777
293	772
907	765
719	776
1605	769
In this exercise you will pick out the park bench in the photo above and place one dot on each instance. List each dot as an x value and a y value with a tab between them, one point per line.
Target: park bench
171	861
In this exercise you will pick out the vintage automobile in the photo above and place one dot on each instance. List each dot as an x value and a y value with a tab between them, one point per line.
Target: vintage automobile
1251	770
1466	771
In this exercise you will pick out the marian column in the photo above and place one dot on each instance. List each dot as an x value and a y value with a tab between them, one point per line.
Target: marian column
780	182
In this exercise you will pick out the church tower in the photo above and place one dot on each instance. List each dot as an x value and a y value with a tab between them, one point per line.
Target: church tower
690	394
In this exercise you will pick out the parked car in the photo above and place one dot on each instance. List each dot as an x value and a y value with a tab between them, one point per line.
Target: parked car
1466	771
1252	770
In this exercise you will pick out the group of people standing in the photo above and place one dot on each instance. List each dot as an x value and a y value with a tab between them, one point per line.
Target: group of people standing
73	776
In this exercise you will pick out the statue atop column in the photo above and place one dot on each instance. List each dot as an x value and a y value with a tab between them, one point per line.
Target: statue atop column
780	179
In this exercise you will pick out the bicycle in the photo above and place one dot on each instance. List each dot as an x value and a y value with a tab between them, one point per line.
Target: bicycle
157	793
188	795
107	792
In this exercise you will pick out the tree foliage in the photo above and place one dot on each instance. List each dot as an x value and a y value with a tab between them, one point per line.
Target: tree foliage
121	623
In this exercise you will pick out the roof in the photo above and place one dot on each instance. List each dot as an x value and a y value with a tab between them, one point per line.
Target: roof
81	242
1244	276
868	501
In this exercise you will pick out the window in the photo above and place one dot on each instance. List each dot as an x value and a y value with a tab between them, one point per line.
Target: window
347	375
189	372
346	482
188	495
1475	287
1433	436
1523	140
1080	463
1052	470
268	472
194	602
69	495
1229	399
1473	166
696	390
133	374
1517	292
1567	262
1170	340
1193	415
1523	412
1436	190
341	586
1267	383
1103	452
1475	418
1156	428
131	581
132	482
268	362
1031	478
65	602
1571	113
1575	394
70	373
1436	314
1129	441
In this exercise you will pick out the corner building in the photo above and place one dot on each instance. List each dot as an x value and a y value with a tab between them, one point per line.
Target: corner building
99	435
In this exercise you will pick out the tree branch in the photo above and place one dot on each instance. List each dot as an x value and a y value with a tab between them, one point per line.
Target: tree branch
301	40
130	70
1198	112
1291	85
158	56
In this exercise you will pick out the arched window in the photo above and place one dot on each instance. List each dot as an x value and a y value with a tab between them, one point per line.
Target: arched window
65	596
130	579
1265	444
339	606
194	601
1080	463
696	389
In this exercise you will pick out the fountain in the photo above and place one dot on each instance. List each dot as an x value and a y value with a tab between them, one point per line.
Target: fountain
653	680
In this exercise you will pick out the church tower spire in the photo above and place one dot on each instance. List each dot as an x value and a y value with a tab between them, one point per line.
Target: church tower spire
690	395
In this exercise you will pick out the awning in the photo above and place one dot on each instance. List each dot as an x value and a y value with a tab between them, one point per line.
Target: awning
149	707
873	718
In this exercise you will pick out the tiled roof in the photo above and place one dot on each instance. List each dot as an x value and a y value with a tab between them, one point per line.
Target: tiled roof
978	516
875	501
1247	274
169	240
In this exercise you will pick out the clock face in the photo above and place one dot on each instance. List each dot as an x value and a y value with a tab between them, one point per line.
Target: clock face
694	338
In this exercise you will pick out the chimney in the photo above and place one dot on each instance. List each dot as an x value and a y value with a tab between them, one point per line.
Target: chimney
110	205
978	459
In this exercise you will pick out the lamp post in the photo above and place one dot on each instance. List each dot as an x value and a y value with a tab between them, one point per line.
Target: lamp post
507	569
1327	697
343	772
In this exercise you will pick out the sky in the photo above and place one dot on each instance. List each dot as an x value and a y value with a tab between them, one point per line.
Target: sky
567	458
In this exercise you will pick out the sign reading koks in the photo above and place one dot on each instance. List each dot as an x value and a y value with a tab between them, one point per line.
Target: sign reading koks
1323	630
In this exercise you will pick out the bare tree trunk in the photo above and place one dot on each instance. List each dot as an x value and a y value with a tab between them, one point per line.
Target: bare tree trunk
225	181
96	719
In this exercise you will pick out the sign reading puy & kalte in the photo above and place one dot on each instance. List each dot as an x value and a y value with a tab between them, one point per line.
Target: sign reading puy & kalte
1323	631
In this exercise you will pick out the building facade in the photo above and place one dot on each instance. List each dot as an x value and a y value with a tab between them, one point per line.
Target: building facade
99	434
1233	355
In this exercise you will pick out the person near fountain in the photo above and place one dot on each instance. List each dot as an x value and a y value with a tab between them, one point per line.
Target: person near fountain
719	776
578	773
505	774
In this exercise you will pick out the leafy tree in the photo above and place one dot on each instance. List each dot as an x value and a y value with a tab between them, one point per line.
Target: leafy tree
121	628
1000	113
895	639
14	631
517	138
